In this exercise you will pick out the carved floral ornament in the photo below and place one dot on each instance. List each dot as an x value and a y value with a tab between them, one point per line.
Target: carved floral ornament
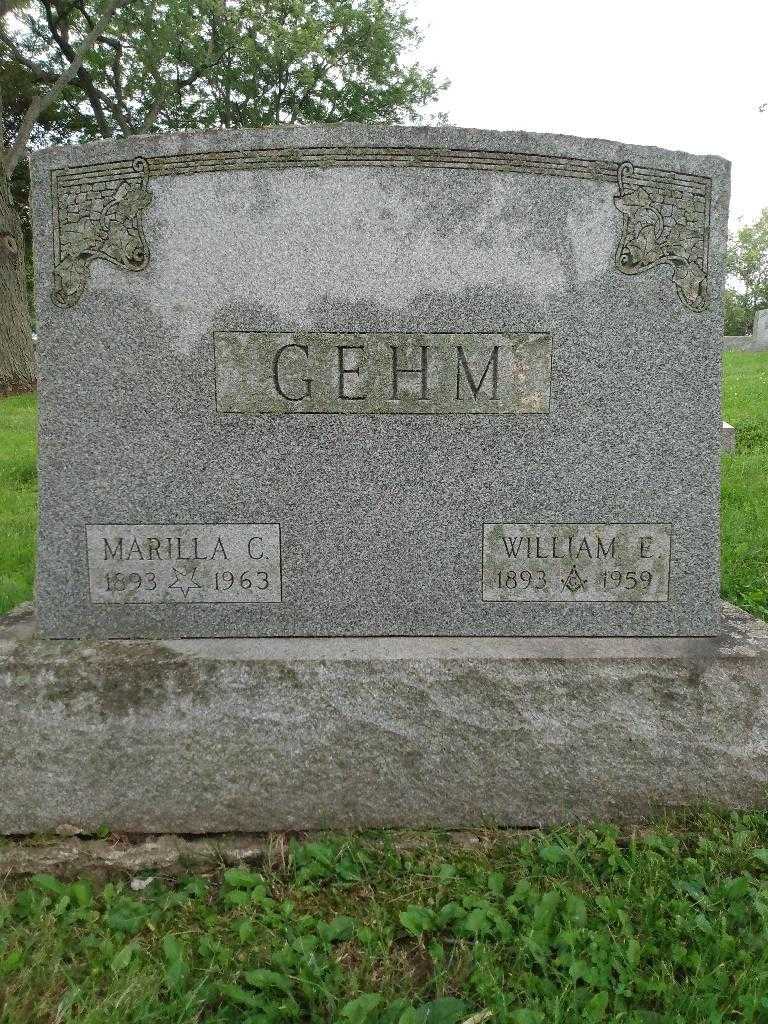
100	221
98	210
662	228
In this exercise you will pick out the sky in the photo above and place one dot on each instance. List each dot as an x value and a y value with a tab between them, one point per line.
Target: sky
681	74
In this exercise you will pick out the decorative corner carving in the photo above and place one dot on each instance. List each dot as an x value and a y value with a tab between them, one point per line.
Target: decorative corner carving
665	221
98	208
99	218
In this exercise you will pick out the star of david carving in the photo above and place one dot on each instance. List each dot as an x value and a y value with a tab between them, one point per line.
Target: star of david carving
184	580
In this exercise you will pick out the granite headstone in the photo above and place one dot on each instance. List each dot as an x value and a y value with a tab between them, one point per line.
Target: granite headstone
375	381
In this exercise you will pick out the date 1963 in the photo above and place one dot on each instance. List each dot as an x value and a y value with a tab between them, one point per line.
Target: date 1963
187	563
132	582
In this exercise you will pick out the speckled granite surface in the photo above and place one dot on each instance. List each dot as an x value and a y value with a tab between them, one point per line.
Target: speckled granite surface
147	248
255	735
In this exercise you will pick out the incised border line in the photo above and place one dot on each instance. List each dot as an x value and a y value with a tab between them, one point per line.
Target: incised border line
98	208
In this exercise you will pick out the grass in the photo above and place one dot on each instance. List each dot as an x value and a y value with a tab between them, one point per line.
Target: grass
745	483
744	500
18	499
571	925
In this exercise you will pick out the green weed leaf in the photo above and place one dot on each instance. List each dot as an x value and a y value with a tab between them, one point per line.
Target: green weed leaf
339	929
553	854
527	1017
239	878
597	1005
126	916
47	883
362	1009
240	996
496	882
122	958
176	970
265	979
171	948
237	898
442	1011
417	920
477	922
82	893
11	962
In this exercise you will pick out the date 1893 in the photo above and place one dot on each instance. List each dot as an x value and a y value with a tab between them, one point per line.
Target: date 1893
192	563
576	561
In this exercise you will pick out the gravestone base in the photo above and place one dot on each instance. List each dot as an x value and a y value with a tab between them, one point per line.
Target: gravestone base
197	736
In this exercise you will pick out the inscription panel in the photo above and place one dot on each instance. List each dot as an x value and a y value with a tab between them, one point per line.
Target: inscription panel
576	562
189	563
382	373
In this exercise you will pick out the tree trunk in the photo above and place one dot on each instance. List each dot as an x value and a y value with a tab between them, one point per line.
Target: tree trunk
17	356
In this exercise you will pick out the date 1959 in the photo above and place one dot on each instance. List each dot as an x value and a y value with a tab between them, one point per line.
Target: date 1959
537	579
576	561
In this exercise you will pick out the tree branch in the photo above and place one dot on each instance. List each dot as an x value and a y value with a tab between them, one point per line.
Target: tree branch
152	115
59	30
119	108
6	42
40	103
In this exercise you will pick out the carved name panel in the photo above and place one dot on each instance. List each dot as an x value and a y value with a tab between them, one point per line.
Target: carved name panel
576	562
190	563
487	374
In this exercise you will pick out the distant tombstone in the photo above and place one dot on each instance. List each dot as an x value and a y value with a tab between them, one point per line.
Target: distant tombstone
760	326
377	381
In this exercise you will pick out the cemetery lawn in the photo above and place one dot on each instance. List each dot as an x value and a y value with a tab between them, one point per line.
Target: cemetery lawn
662	927
745	482
18	499
668	925
744	495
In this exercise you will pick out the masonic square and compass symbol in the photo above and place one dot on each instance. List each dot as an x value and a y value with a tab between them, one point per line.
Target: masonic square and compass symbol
184	580
573	581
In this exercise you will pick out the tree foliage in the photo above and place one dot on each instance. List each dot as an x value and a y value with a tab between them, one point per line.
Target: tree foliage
165	65
74	70
34	92
747	267
169	65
